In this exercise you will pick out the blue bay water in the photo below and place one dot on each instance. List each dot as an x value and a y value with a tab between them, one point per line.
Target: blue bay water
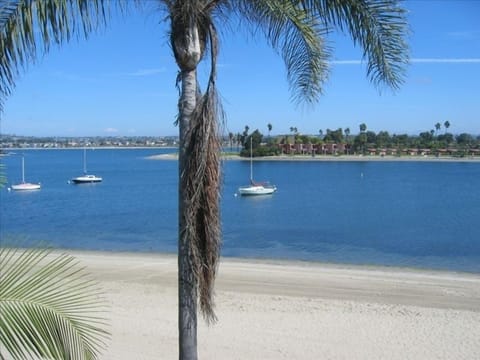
414	214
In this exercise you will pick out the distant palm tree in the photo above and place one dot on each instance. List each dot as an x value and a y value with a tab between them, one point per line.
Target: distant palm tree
446	125
269	126
363	136
294	132
239	140
437	127
347	133
297	29
245	135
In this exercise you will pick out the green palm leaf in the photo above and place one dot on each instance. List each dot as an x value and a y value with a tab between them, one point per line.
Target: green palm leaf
378	26
49	306
25	24
298	36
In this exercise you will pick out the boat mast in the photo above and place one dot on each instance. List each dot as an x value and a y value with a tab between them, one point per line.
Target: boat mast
23	169
84	160
251	160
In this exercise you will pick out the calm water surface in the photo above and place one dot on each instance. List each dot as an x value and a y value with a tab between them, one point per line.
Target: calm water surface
415	214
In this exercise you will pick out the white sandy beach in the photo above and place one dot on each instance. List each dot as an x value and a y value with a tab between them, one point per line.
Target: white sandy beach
287	310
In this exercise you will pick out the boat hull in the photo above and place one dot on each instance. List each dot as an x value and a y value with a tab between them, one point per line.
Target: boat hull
256	190
87	179
25	187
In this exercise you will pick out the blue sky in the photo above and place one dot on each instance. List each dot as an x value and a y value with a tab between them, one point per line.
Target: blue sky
121	81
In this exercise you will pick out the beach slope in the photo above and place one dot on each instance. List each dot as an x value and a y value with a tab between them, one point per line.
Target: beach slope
290	310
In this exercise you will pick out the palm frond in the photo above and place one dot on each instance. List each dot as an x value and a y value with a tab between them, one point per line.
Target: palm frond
6	9
24	24
378	26
49	306
299	37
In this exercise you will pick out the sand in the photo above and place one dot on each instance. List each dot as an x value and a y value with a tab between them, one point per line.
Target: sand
332	158
292	310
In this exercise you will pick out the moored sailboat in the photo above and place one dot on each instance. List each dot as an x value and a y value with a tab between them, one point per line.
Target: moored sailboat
25	185
255	188
86	178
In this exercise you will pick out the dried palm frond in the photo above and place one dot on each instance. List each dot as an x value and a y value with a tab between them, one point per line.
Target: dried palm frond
201	180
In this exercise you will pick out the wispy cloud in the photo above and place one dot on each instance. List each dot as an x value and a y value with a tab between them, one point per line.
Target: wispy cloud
461	35
446	60
146	72
73	77
417	61
346	62
137	73
424	80
110	130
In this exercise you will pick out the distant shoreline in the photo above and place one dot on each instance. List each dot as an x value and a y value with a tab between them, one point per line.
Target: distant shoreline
332	158
327	158
8	150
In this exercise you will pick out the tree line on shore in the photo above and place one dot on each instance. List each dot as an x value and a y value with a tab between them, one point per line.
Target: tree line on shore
433	141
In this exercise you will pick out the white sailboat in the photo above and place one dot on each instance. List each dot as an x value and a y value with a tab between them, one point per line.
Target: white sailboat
25	185
255	188
86	178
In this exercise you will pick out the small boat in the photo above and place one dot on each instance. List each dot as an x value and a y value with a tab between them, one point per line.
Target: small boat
255	188
25	185
86	178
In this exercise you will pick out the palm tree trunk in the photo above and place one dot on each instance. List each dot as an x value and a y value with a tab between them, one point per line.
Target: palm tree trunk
199	177
186	48
187	287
